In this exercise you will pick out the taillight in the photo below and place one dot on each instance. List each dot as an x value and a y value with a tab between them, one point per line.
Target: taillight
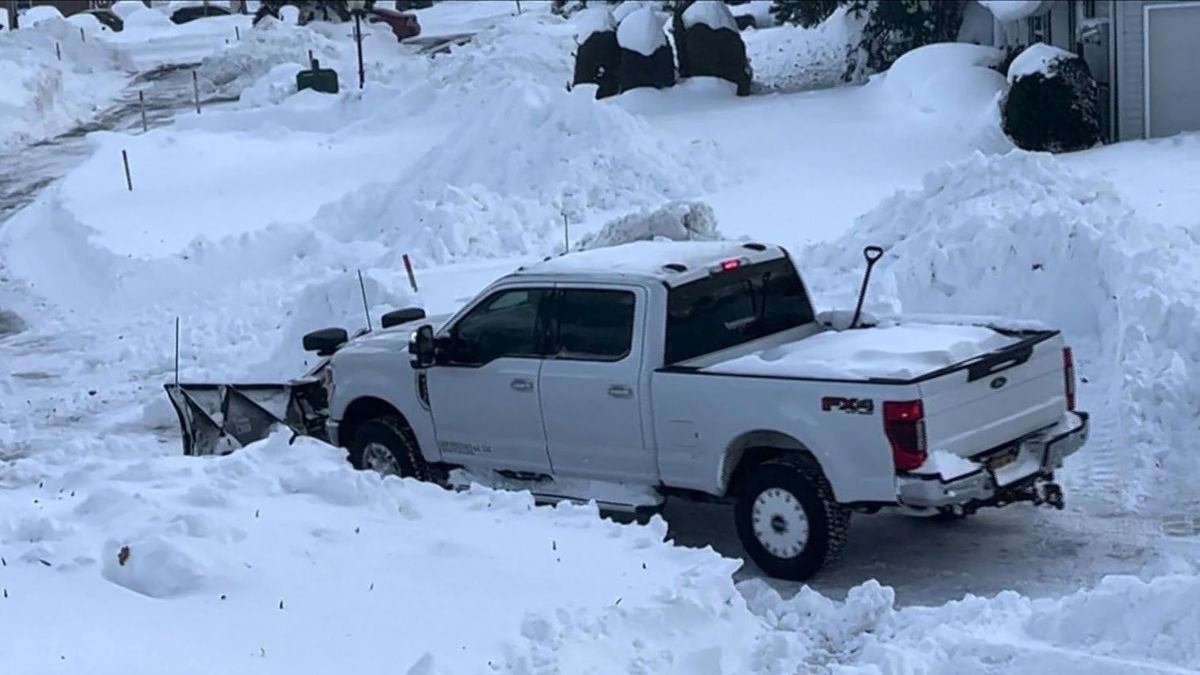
1069	377
904	426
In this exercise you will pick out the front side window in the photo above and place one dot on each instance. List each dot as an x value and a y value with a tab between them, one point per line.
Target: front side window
734	307
507	324
592	324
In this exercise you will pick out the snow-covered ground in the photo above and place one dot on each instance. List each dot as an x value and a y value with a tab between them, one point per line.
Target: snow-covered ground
249	225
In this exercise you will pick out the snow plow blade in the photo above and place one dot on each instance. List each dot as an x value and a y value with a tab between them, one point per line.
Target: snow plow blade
216	419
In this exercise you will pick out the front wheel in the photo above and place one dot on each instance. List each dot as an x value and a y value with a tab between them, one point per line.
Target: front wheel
788	520
387	446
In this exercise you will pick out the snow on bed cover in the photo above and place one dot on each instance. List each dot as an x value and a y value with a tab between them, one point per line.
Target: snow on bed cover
1012	10
903	351
712	13
641	257
642	31
1036	58
592	20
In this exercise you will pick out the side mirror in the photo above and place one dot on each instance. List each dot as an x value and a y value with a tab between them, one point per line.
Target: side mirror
325	341
399	316
420	347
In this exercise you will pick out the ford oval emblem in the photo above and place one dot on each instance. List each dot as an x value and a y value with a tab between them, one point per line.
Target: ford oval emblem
998	382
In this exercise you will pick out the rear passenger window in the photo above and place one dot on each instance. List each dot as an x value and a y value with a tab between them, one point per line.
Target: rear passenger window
593	324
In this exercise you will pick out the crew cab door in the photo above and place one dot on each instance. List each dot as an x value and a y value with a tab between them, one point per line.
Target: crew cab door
483	391
592	387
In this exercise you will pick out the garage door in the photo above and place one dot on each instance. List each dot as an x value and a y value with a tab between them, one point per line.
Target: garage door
1172	75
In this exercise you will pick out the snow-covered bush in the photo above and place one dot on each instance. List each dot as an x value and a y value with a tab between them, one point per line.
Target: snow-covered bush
714	45
646	56
1052	102
598	58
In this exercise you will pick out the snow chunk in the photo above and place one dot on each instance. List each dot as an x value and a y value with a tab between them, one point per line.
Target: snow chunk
947	466
642	32
39	13
594	20
902	352
272	88
123	8
1012	10
1037	58
712	13
678	221
153	566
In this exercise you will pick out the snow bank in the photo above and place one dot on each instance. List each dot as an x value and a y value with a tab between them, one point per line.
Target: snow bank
1121	287
712	13
38	14
1036	58
42	96
642	31
500	185
262	48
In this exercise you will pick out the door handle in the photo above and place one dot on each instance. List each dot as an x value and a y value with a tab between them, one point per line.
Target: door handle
620	391
521	384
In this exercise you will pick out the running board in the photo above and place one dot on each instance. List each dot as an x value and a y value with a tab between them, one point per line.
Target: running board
610	497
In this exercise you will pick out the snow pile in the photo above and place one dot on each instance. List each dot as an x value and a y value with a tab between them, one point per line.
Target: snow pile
336	302
712	13
642	32
39	14
42	96
147	19
954	86
268	45
798	59
1122	289
285	554
502	184
1037	58
678	221
272	88
124	8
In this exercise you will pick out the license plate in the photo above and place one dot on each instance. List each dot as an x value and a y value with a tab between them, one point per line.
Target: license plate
1002	458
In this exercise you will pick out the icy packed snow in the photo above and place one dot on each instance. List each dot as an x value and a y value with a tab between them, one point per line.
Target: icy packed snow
904	351
250	223
712	13
1036	58
642	31
1012	10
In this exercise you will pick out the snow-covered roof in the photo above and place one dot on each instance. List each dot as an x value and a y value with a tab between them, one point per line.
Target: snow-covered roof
712	13
594	20
1037	58
649	259
642	32
1014	10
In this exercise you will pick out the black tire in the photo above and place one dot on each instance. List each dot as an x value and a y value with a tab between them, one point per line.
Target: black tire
397	438
828	522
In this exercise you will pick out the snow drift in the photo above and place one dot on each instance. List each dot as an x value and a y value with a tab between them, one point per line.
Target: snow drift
1021	235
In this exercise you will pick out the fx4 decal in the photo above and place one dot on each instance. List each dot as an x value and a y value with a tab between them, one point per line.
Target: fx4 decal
855	406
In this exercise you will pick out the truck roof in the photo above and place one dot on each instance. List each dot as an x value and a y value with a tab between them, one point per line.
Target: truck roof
671	262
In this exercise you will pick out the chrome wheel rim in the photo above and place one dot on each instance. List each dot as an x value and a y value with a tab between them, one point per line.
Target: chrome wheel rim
377	457
779	522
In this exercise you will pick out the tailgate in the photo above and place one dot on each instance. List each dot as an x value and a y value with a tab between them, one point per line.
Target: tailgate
981	404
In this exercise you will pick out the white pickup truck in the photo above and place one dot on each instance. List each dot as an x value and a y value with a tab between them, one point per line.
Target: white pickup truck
700	371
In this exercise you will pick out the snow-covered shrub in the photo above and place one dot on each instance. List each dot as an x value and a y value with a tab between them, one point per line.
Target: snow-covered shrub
714	45
598	59
679	221
646	56
1052	102
807	13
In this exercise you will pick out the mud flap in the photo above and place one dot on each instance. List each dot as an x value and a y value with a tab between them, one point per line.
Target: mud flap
216	419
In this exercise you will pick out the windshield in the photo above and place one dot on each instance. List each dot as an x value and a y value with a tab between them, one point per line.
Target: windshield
734	307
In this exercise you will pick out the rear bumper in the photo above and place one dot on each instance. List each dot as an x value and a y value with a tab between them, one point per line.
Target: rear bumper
1038	455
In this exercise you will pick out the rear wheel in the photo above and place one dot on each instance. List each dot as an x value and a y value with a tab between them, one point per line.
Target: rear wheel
387	446
787	519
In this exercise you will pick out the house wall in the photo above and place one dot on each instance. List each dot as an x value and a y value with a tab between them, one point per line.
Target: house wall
1130	49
